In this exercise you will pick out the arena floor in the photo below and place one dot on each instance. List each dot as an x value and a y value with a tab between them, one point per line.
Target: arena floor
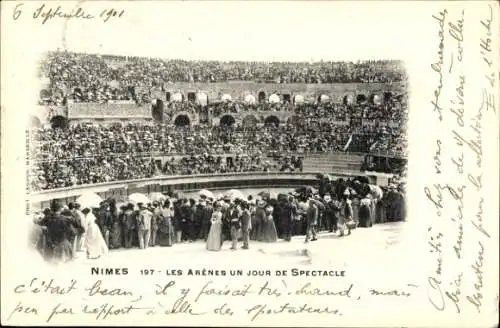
365	248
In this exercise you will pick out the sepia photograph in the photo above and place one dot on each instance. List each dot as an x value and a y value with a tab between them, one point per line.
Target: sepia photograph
138	153
290	163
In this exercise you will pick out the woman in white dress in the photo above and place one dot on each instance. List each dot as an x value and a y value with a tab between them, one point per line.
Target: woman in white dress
94	241
214	240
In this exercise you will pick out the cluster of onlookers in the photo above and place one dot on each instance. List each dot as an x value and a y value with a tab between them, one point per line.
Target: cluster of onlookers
338	206
89	153
90	140
99	78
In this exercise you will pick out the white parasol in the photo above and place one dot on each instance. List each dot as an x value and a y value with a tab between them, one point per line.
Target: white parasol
324	98
206	193
376	191
226	97
138	198
89	200
157	196
234	194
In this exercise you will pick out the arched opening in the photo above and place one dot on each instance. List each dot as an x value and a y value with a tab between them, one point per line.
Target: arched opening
249	121
262	97
272	120
59	122
34	122
191	96
361	98
387	96
44	94
227	120
157	110
167	96
182	121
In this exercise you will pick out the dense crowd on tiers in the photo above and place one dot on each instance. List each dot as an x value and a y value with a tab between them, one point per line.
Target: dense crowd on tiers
92	226
394	108
98	78
90	153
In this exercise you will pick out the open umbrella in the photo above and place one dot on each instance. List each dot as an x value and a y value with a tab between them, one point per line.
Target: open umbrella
234	194
375	191
89	200
138	198
206	193
157	196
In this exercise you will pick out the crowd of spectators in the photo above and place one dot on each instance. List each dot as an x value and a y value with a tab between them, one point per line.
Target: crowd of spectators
99	78
90	153
95	153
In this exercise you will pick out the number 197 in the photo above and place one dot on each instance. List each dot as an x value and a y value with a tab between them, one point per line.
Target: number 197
147	272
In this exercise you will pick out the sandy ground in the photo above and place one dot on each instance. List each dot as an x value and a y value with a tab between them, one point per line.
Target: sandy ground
364	248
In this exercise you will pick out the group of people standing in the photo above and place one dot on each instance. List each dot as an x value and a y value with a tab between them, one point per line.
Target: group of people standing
68	230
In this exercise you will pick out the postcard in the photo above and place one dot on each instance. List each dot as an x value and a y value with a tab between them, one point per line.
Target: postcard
250	163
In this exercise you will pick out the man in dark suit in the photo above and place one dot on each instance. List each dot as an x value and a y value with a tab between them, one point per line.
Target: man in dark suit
287	214
104	221
129	225
235	224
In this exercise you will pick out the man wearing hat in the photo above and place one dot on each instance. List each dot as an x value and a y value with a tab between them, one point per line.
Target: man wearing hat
235	215
104	221
312	220
144	225
206	216
79	223
331	213
129	225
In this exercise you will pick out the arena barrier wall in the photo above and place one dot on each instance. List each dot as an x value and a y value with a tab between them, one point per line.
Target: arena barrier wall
121	189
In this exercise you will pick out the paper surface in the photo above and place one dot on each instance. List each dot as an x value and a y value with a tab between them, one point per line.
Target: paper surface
444	270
